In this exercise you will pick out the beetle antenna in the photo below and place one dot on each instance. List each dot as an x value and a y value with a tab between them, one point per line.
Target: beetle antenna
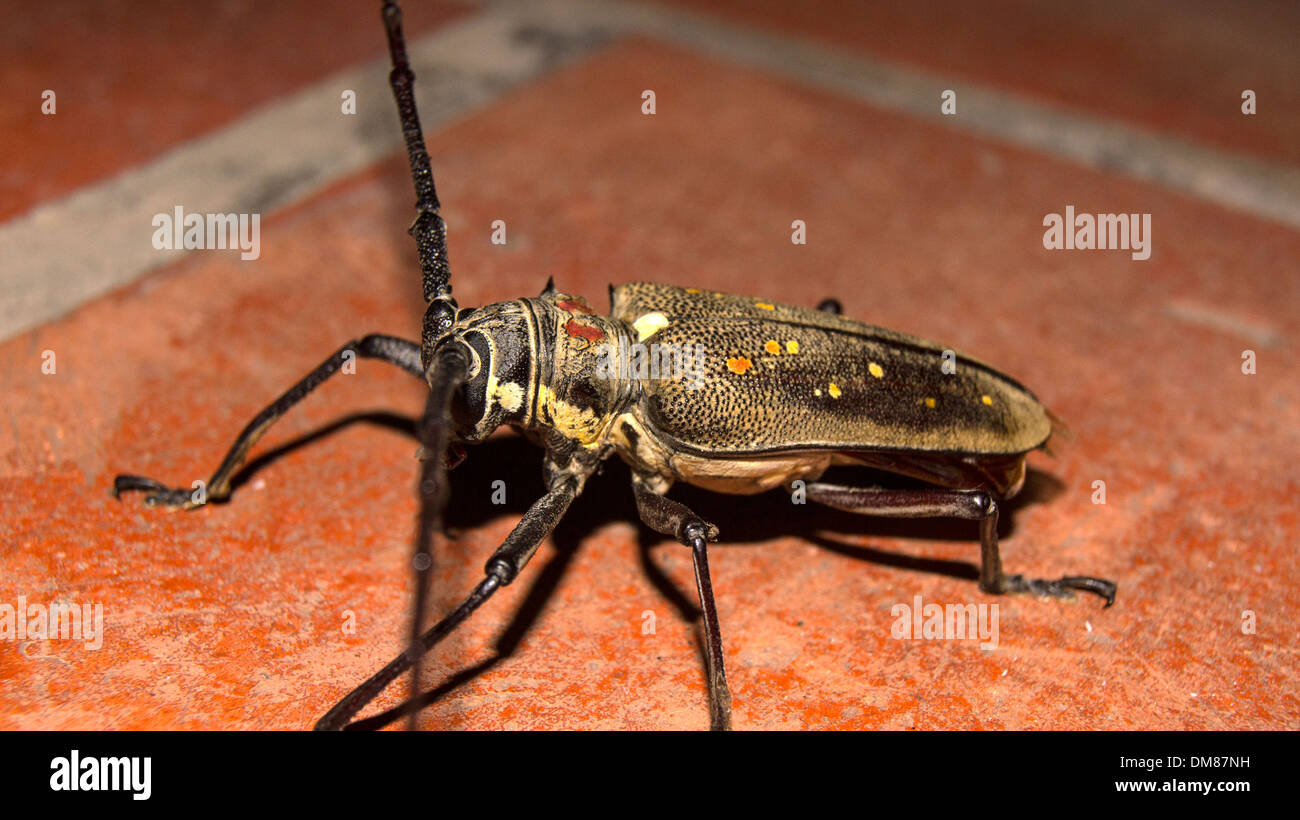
429	229
446	374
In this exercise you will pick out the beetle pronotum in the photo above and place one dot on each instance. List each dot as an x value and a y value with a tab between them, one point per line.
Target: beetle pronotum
845	393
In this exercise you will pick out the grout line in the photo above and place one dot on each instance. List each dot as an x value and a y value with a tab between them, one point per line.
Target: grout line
1242	182
67	251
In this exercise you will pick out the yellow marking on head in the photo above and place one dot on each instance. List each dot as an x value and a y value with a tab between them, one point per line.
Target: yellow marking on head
834	390
929	402
649	324
792	347
772	347
876	370
739	364
509	395
692	290
986	399
764	306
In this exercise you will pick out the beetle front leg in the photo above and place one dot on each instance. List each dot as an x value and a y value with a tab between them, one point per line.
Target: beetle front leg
501	569
391	349
976	505
668	517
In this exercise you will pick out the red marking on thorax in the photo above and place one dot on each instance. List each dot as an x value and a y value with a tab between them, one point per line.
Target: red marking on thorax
578	330
575	305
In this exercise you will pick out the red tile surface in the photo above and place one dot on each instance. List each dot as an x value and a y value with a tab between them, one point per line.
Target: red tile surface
231	616
1168	65
133	79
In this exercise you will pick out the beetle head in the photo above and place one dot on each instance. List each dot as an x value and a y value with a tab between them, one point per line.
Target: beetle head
496	341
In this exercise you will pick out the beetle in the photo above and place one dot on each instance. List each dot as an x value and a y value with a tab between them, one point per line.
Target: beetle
753	395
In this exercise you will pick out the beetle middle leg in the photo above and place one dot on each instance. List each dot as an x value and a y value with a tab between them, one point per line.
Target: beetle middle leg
976	505
675	519
391	349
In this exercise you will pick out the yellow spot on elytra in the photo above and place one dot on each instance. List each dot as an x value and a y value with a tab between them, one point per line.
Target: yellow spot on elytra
649	324
792	347
834	390
764	306
817	391
772	347
929	402
738	365
876	370
692	290
986	399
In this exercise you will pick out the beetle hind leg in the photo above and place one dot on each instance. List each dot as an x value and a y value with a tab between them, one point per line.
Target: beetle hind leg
675	519
969	504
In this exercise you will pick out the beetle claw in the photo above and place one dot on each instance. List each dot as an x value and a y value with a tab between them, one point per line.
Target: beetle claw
1063	588
1100	586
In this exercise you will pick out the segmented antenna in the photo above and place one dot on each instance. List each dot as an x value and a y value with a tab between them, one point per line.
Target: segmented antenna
447	372
429	229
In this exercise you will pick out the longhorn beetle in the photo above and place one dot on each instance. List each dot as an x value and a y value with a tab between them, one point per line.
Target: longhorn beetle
778	393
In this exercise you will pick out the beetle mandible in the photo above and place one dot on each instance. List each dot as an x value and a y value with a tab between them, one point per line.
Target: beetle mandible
769	394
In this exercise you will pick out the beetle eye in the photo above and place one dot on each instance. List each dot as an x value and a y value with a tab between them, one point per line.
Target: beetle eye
470	403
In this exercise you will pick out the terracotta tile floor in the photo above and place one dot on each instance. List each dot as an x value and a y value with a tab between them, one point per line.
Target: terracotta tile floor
233	616
1168	65
133	79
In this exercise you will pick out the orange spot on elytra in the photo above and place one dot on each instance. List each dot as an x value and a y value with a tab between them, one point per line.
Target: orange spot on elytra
772	347
764	306
929	402
834	390
739	365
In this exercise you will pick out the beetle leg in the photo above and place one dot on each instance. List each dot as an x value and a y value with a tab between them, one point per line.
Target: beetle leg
976	505
502	568
672	518
391	349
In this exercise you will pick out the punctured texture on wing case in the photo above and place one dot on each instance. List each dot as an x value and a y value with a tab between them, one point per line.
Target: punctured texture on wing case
842	385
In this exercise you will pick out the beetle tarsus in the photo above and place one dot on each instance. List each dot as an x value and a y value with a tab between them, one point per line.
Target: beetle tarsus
159	494
1061	588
